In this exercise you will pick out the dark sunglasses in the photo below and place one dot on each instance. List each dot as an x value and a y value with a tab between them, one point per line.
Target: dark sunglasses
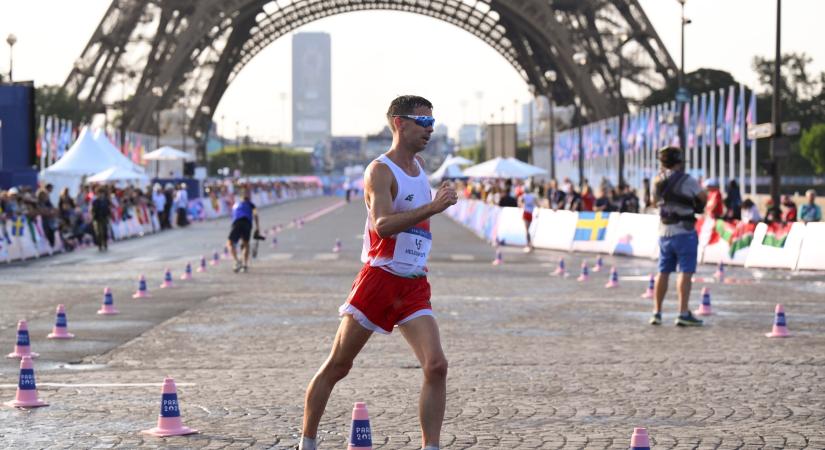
422	121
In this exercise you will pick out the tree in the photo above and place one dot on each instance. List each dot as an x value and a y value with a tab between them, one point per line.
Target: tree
698	81
56	101
812	146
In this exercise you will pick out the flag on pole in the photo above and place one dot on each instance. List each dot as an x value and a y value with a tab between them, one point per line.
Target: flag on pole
729	114
700	120
750	117
737	120
720	119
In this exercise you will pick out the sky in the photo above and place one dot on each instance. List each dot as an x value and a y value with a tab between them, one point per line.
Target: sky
378	55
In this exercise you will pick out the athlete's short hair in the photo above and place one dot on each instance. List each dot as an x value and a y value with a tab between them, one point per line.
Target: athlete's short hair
670	156
405	104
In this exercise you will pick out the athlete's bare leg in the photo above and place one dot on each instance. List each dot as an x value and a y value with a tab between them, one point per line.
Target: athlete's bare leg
232	250
245	250
349	340
422	335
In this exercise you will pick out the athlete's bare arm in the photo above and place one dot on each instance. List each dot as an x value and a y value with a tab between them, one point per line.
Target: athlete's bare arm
378	187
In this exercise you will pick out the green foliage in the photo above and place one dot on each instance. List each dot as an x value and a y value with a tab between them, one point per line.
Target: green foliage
262	161
56	101
812	146
701	80
477	153
523	152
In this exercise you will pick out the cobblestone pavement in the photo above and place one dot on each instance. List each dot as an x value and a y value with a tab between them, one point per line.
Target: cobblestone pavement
535	361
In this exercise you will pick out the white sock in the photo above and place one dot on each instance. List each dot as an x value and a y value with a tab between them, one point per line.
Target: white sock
308	444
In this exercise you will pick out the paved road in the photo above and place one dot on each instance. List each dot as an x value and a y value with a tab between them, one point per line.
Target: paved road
535	361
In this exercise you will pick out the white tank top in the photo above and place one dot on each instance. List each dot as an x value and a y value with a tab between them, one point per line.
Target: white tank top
404	254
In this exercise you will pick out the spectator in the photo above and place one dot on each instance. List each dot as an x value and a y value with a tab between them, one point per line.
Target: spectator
555	196
507	198
788	208
169	193
733	202
715	208
647	200
749	212
101	212
602	203
628	201
773	214
48	215
810	212
159	200
182	205
588	199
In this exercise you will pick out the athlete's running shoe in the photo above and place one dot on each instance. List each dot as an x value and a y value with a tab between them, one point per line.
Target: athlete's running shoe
656	319
687	320
237	266
244	269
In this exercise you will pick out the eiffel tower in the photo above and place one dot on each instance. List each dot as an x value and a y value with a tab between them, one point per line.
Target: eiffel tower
163	54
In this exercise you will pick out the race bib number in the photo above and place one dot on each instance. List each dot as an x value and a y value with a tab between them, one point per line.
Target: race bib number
413	247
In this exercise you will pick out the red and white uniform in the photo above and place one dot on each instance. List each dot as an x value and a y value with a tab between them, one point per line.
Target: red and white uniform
392	287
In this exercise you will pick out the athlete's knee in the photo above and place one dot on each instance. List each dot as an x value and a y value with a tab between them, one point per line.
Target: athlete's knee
436	368
336	370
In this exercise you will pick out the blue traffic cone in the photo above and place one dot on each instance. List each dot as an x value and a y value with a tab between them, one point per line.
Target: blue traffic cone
360	437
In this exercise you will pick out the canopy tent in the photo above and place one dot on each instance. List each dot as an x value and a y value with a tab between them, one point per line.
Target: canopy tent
167	153
446	171
460	160
504	168
117	158
117	173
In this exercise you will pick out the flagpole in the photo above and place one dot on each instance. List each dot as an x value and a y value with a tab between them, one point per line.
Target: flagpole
753	149
704	149
722	155
732	156
742	137
712	111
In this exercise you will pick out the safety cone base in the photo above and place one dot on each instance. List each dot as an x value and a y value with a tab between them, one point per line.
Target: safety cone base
647	294
780	334
582	278
611	285
186	276
30	404
703	311
141	295
166	285
20	355
165	432
60	335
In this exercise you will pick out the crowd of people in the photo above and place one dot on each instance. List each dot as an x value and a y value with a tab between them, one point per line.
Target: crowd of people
89	214
623	198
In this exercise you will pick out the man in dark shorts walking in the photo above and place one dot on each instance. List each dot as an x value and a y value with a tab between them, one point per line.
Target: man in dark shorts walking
101	212
243	214
392	288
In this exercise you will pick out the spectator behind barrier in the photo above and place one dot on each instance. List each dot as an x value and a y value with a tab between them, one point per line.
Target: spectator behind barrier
810	212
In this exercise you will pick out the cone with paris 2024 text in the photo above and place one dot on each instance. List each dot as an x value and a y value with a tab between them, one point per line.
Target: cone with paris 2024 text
639	440
585	275
360	437
202	265
167	279
498	259
614	279
108	307
61	325
26	396
169	420
704	307
187	272
560	270
599	264
142	291
23	346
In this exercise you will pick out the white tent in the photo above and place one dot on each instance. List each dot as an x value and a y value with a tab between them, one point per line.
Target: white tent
117	173
460	160
84	157
447	170
116	158
503	168
167	153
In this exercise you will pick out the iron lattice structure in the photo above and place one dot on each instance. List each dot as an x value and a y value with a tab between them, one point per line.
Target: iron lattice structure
152	55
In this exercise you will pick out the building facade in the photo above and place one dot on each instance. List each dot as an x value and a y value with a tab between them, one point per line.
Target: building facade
311	89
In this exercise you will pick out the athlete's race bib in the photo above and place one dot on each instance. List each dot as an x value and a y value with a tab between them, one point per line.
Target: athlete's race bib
413	247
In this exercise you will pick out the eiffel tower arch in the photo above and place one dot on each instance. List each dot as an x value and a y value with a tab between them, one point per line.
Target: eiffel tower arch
161	54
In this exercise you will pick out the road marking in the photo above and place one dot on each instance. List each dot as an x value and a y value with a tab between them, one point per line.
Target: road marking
279	256
462	257
326	256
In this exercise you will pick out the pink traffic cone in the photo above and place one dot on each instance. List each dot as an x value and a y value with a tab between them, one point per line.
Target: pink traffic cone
614	279
720	272
167	279
226	254
639	440
216	258
202	265
337	247
585	275
23	346
108	307
651	284
599	265
187	272
169	421
780	329
142	291
560	270
274	241
704	307
498	260
26	388
360	437
60	330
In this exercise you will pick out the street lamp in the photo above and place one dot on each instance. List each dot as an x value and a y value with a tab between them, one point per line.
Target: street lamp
550	76
779	143
624	38
580	59
682	95
11	40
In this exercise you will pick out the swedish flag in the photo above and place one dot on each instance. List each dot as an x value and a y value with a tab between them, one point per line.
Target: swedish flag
17	225
591	226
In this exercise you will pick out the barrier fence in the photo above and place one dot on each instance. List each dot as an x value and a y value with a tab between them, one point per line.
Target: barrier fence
24	238
794	246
